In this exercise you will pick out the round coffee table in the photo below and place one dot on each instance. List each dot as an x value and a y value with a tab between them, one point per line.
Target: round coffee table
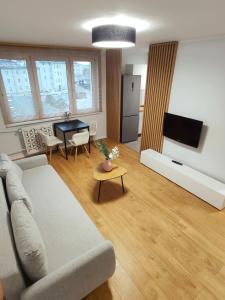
101	175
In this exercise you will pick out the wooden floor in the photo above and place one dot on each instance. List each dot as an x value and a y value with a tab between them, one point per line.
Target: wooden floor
168	243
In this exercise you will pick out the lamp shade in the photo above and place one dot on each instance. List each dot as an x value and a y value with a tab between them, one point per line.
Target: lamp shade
113	36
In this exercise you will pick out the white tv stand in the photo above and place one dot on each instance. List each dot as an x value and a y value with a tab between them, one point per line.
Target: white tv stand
203	186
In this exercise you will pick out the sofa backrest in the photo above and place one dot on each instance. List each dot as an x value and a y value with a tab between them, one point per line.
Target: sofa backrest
10	273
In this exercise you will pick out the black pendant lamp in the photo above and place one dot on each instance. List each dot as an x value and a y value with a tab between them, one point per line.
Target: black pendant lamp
113	36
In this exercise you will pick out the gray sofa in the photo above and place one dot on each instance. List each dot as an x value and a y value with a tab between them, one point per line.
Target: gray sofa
79	258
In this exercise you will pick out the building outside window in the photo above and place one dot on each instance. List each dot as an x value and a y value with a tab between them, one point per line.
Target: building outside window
53	87
18	93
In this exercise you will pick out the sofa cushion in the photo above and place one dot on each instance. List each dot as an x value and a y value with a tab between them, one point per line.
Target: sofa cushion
10	273
4	157
16	191
7	164
66	229
29	243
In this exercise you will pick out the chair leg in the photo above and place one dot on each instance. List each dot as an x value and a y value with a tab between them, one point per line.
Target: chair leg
71	150
50	156
61	151
75	154
86	151
95	143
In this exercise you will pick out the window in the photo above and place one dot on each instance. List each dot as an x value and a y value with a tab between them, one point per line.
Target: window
19	99
40	84
53	90
83	85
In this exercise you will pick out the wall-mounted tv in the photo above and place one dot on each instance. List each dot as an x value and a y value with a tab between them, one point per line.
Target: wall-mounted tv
183	130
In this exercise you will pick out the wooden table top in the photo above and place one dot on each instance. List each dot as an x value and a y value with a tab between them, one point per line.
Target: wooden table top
101	175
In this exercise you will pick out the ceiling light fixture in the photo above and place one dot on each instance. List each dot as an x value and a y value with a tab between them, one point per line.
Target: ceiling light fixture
122	20
113	36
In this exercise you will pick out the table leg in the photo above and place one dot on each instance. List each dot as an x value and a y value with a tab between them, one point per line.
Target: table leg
99	189
89	141
122	183
64	136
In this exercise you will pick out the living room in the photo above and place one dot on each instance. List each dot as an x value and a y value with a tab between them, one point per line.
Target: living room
112	150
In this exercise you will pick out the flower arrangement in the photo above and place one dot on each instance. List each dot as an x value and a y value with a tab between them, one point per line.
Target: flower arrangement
115	153
67	115
104	150
109	156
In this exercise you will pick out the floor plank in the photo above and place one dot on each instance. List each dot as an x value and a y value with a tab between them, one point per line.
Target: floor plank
169	244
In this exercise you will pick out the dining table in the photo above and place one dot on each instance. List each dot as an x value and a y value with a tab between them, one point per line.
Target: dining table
70	126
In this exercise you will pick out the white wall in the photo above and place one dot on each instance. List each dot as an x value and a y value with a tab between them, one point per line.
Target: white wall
198	91
10	139
136	55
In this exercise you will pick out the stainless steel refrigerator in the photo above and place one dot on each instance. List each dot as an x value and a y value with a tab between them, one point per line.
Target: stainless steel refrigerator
130	103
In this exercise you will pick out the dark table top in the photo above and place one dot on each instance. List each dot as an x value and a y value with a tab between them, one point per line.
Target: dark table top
72	125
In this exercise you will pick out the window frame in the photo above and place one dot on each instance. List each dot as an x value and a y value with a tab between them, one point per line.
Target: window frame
94	76
5	104
69	56
36	82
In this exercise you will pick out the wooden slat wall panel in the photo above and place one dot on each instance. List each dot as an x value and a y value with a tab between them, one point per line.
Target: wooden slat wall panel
161	63
113	92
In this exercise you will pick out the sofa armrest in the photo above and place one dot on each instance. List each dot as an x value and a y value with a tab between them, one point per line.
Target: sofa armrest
32	162
77	278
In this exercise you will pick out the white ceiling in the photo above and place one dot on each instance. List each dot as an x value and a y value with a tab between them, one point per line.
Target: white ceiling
60	22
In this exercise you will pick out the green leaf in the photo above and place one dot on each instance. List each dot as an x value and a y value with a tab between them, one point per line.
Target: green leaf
103	149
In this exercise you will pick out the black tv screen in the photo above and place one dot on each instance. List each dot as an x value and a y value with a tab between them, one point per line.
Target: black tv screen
183	130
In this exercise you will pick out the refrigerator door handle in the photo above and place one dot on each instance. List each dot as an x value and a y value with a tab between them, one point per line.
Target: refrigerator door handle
132	86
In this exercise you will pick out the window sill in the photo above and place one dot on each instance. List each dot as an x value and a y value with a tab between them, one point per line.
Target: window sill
72	117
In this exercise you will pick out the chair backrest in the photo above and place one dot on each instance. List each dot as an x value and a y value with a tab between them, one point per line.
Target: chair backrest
45	138
80	138
93	128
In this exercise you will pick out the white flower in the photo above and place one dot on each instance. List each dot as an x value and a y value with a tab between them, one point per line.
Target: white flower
115	152
110	156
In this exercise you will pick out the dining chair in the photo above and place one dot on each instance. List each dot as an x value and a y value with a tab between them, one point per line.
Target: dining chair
79	139
93	131
50	142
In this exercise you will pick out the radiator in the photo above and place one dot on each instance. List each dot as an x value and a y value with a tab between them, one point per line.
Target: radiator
32	140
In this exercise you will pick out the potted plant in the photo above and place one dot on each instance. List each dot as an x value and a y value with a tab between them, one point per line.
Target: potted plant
109	156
